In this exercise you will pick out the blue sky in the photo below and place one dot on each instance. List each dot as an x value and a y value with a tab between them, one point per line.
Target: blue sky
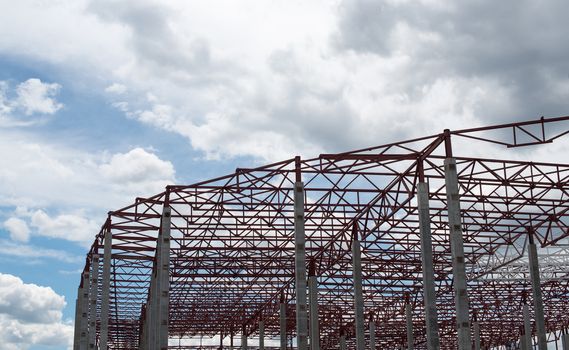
103	101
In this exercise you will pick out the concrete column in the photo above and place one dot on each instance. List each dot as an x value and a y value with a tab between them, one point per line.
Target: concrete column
261	335
93	297
476	327
457	250
342	341
358	291
106	286
77	331
231	340
537	298
429	295
313	304
409	318
527	328
565	340
84	333
244	345
371	333
163	281
300	268
282	318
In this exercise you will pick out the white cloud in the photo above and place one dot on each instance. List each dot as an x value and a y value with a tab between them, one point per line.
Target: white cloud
31	315
71	227
34	96
19	230
34	254
116	88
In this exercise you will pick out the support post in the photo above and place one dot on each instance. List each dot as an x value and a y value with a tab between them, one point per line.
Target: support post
78	314
282	317
409	318
429	294
342	340
527	328
358	292
536	289
457	250
565	340
244	338
93	296
300	265
163	281
84	333
371	332
313	304
476	331
261	335
106	286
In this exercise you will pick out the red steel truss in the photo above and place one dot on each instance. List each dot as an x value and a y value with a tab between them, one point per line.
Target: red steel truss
232	252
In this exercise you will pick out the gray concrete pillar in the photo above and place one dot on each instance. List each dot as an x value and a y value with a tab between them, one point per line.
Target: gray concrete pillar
429	294
537	298
231	340
93	297
458	258
261	335
565	340
163	281
371	333
409	320
106	286
313	304
476	331
77	329
244	345
358	291
300	268
342	341
527	328
84	333
282	319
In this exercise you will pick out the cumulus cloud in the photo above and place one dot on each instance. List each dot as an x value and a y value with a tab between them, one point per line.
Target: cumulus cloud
34	96
31	315
19	230
21	105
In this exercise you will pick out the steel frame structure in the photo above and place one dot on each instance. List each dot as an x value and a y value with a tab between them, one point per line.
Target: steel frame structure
232	245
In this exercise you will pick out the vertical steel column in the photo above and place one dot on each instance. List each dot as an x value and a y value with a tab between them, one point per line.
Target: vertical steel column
358	292
282	319
84	334
261	335
106	286
300	262
429	295
371	332
527	328
163	280
313	304
409	318
537	298
457	250
93	296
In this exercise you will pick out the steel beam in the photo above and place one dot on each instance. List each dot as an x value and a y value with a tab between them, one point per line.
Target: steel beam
429	294
458	259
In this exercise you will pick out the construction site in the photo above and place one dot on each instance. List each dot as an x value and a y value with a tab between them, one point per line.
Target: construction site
429	243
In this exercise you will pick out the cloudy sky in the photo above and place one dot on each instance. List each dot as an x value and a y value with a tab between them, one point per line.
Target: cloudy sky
105	100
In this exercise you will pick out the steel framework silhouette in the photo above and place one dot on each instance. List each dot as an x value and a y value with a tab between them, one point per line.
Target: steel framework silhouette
404	244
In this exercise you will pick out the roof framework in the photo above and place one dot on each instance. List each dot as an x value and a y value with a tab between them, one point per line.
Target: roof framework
232	241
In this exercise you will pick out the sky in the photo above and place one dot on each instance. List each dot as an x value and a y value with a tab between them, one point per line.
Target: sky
102	101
